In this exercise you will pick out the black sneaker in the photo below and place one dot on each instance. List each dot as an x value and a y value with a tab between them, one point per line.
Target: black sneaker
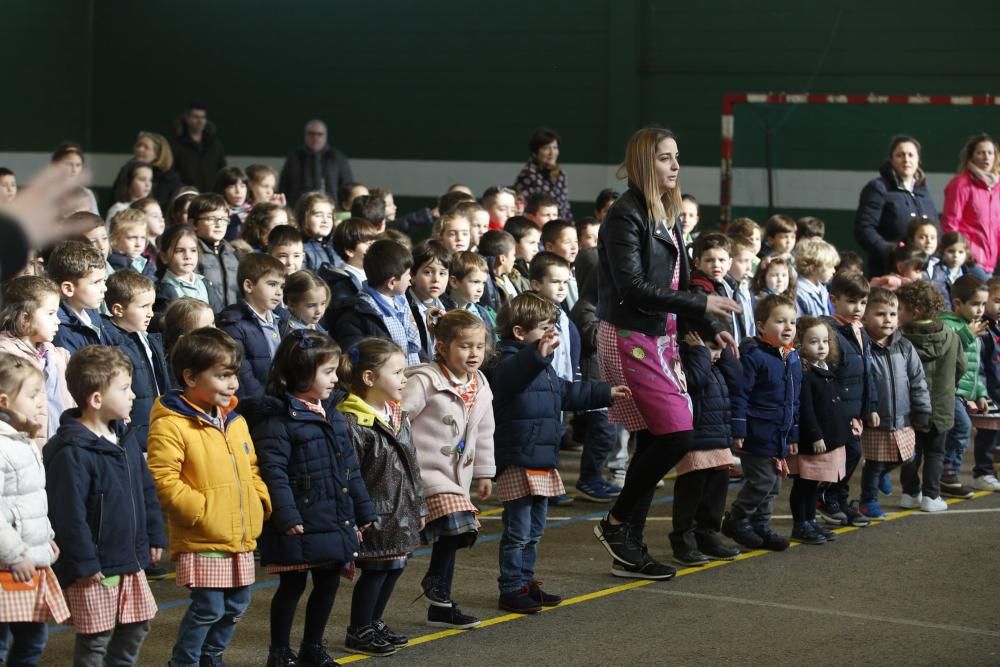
741	532
315	655
823	530
831	512
618	543
156	572
690	557
855	518
804	533
952	487
450	617
435	590
388	635
649	568
367	641
211	660
281	657
770	540
710	545
543	598
519	602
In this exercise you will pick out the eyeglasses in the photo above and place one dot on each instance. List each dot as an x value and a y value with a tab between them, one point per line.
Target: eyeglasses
215	221
315	134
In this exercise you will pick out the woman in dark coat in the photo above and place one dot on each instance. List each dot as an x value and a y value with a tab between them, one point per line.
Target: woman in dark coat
890	203
542	172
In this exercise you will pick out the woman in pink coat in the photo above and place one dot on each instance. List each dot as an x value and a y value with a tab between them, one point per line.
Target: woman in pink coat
972	202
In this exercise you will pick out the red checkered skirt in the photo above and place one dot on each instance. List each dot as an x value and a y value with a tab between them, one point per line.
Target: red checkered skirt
39	601
888	446
623	411
517	482
95	607
232	571
441	504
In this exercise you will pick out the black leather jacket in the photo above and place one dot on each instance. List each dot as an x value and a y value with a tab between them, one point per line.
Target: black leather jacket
636	267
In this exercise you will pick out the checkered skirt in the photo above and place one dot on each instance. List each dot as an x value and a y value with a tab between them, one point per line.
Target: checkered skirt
517	482
888	446
95	607
39	601
230	571
623	411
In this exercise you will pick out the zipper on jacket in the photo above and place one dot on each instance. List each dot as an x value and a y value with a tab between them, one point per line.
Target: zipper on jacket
239	489
892	387
128	470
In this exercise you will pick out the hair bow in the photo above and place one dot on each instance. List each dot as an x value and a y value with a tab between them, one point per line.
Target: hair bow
305	340
354	355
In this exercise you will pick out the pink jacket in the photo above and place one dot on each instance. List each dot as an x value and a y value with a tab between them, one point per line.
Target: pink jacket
438	417
59	358
974	210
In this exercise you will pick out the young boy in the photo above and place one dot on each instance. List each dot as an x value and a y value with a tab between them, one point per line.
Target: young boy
779	234
586	232
95	232
710	256
559	237
218	262
351	240
528	401
254	322
688	217
381	308
738	280
940	351
128	243
346	194
454	230
748	231
203	462
499	203
8	185
526	240
605	198
428	283
808	227
371	208
859	396
284	243
987	432
815	262
467	278
104	511
541	208
772	379
479	221
78	269
968	297
904	402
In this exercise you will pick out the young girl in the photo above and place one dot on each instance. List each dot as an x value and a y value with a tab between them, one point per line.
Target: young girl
177	261
774	276
184	316
28	324
263	217
816	262
263	182
155	225
380	432
31	592
136	183
307	297
319	501
451	406
231	183
128	243
177	210
956	261
824	429
923	234
909	262
315	215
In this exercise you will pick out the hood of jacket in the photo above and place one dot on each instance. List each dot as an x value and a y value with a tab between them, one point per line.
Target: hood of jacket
72	433
364	413
174	403
434	377
928	338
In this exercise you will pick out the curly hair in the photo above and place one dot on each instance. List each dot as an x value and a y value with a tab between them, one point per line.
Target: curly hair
921	299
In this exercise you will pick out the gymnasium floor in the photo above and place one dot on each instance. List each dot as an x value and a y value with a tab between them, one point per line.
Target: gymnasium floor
915	590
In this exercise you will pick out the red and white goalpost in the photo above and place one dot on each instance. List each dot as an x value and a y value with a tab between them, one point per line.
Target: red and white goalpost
730	100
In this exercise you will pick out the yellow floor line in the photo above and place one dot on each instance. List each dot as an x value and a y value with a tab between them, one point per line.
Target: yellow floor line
639	583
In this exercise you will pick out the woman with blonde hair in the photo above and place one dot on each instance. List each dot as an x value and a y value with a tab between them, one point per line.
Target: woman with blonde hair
154	150
972	200
643	290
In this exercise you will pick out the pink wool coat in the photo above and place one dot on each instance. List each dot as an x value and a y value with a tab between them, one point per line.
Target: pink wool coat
438	415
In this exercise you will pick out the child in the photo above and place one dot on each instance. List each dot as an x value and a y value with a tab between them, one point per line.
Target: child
467	277
479	221
904	402
351	240
956	261
104	511
128	243
858	393
319	501
824	429
526	239
703	474
910	264
388	201
78	269
261	219
549	278
254	323
263	181
688	217
346	194
940	351
217	260
454	230
987	434
528	402
450	405
178	262
93	231
155	225
381	434
314	212
380	309
231	183
850	262
586	232
968	295
8	185
749	232
31	592
765	422
202	459
738	279
815	263
923	235
605	198
809	227
779	233
497	248
28	324
428	283
177	210
710	254
136	182
499	203
559	237
307	297
284	243
183	316
541	208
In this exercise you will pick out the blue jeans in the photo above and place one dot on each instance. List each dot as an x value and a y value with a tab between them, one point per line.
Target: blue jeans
870	474
523	525
209	624
958	439
27	641
599	438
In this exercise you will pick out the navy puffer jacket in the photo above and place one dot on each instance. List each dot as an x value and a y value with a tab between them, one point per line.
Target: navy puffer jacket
766	404
312	475
242	324
854	372
711	386
528	402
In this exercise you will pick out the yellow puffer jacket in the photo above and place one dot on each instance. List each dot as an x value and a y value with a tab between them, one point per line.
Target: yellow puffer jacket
206	477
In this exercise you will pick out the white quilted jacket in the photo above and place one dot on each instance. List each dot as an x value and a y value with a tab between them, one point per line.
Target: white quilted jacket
24	508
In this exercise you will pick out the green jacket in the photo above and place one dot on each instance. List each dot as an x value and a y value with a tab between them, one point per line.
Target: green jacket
971	385
940	351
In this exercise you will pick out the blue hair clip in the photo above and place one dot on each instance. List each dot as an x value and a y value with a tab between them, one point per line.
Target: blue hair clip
354	355
305	340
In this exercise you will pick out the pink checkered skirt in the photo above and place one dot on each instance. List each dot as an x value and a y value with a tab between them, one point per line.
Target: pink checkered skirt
95	607
37	601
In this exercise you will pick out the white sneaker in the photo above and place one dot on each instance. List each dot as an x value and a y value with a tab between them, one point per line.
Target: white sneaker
660	484
986	483
933	504
618	478
908	502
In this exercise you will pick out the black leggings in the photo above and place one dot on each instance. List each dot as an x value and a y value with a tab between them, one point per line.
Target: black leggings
371	595
290	588
443	556
654	456
803	499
